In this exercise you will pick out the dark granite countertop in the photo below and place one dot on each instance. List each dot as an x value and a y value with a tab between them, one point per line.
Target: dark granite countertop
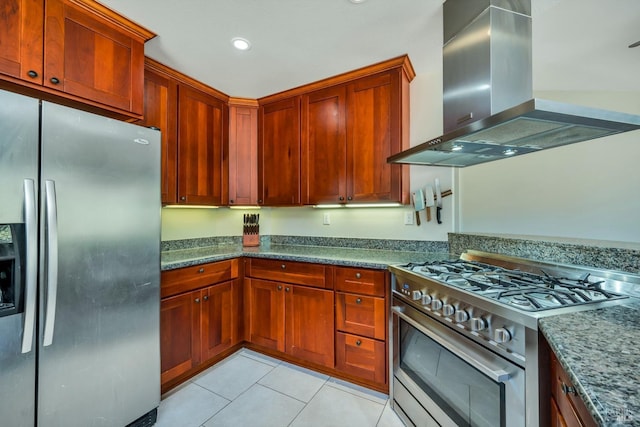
600	350
351	257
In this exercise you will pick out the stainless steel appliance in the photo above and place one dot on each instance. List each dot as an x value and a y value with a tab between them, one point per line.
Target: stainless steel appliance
465	334
489	109
79	268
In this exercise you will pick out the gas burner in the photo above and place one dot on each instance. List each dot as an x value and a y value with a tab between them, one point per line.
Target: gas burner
520	301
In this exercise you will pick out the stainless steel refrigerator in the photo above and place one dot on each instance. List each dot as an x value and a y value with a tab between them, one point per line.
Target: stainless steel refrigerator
79	268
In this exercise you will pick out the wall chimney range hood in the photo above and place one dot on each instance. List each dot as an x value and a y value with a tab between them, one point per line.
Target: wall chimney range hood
489	109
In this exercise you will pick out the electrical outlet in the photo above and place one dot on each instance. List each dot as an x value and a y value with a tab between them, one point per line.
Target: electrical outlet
326	218
408	218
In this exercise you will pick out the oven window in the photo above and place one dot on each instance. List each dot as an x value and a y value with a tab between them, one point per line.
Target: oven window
469	397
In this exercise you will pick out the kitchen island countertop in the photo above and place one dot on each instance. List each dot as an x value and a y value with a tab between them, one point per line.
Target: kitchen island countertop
600	350
350	257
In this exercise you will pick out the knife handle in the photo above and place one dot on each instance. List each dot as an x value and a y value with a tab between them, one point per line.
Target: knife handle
438	216
428	214
417	217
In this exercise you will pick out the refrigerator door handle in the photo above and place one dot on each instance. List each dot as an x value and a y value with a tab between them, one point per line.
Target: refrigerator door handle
31	232
51	230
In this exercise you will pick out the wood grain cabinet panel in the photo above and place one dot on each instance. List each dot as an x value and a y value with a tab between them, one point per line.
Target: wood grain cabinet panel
571	410
362	357
279	153
362	315
161	111
243	152
219	318
266	313
324	146
21	34
202	144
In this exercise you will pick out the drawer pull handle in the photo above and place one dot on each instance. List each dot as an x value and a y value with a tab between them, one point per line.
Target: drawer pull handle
358	300
32	74
358	275
283	266
201	270
197	300
279	287
54	80
358	343
567	389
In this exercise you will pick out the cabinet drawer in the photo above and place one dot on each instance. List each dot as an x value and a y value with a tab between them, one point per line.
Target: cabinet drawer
361	356
361	315
360	281
570	405
174	282
301	273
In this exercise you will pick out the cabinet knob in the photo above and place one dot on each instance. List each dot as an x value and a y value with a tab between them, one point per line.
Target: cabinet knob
279	287
358	343
54	80
349	198
358	275
197	300
283	266
260	201
206	297
183	198
358	300
32	74
341	198
201	270
567	389
286	289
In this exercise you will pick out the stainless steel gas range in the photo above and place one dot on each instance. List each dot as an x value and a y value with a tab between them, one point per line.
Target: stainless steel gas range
464	334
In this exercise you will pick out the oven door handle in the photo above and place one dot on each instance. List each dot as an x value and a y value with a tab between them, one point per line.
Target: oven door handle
496	373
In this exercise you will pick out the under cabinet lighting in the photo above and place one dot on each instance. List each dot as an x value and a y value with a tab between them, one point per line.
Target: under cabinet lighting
189	207
244	207
358	205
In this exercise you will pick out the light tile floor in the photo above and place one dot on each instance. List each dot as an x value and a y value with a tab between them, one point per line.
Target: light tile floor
251	389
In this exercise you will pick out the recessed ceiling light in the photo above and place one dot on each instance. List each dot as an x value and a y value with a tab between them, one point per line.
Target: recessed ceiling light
240	43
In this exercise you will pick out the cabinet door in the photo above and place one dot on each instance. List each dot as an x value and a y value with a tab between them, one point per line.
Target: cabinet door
179	334
243	155
161	111
92	58
219	318
202	137
363	357
324	146
309	324
266	313
21	23
279	153
373	134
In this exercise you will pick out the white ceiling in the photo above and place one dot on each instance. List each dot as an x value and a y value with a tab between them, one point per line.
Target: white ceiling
577	44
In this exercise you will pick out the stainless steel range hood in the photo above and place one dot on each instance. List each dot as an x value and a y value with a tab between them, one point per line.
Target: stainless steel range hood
489	110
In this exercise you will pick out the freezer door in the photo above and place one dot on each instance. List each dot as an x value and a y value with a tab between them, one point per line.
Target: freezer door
19	119
99	362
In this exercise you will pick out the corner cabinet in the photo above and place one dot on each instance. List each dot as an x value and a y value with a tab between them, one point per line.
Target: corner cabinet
74	51
291	309
279	153
200	316
348	132
194	121
243	152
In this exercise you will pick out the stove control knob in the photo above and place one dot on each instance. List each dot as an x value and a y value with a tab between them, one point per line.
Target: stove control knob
448	310
426	299
461	316
501	335
478	324
416	295
436	304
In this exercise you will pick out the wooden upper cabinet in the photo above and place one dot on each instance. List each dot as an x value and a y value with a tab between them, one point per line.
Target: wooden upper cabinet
21	50
74	51
375	132
279	153
324	146
161	111
202	148
243	152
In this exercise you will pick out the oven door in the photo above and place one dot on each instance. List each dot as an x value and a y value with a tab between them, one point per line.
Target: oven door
440	376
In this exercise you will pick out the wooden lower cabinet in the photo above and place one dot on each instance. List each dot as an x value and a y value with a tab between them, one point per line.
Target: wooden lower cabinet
200	318
362	357
293	319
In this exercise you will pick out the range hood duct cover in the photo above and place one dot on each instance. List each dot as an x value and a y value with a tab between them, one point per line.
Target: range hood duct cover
489	110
